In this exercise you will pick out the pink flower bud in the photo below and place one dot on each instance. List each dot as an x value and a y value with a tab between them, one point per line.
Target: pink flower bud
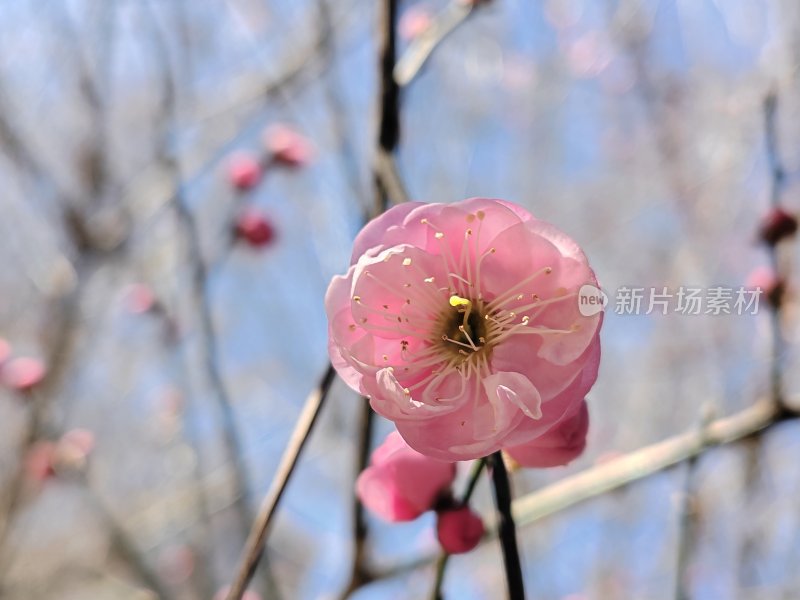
777	225
287	146
39	462
771	286
413	22
139	298
400	484
22	374
253	227
562	444
459	530
244	171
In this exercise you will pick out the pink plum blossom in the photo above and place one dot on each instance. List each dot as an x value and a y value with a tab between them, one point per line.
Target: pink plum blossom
459	530
559	446
288	147
400	484
461	324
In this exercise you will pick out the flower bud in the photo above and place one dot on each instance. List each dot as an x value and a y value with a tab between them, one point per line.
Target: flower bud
288	147
244	171
400	484
39	462
771	286
22	374
253	227
139	299
777	225
459	530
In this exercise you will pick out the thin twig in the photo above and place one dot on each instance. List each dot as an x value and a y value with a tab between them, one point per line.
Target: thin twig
420	50
444	557
254	546
125	547
199	289
360	573
507	529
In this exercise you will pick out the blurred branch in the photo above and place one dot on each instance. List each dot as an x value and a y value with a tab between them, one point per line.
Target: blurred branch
200	293
648	461
632	467
417	54
388	179
360	573
254	547
126	549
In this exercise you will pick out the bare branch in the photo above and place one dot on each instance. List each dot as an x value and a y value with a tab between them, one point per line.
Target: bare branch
254	547
410	64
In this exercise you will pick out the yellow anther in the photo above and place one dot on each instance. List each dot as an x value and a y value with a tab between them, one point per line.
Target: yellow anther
459	301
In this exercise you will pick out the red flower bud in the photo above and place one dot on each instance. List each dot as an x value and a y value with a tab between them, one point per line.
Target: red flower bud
253	227
777	225
459	530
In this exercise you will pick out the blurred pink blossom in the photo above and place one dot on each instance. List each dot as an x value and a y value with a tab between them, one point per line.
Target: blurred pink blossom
413	22
288	147
39	463
139	298
771	286
23	373
400	484
461	323
459	530
559	446
588	55
253	227
244	171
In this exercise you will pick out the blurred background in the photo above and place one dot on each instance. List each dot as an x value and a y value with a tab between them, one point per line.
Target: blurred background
180	180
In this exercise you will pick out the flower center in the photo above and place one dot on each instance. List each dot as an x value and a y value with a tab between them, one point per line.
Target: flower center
464	329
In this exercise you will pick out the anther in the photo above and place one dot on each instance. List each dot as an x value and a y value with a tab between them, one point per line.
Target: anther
406	262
